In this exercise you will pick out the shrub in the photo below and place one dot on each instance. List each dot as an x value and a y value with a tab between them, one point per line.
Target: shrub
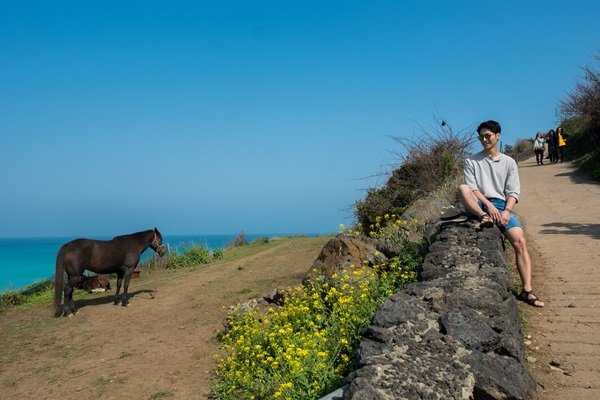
591	163
583	105
10	299
581	148
36	292
262	240
239	240
431	161
218	254
521	150
189	256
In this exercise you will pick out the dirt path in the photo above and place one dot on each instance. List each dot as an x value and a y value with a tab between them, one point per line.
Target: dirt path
561	212
161	347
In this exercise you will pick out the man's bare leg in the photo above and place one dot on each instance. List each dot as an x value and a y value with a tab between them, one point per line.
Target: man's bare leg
517	239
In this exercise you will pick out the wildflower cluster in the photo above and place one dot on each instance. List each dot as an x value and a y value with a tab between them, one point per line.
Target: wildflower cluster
386	226
304	348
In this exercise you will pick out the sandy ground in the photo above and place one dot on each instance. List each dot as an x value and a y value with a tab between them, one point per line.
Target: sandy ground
160	347
560	209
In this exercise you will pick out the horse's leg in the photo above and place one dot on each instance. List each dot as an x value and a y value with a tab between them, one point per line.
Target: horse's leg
73	282
68	306
126	286
119	283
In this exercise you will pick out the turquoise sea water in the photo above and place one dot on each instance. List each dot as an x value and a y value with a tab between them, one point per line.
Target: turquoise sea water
24	261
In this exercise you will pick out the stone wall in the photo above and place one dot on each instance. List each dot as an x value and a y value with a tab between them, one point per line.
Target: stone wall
454	335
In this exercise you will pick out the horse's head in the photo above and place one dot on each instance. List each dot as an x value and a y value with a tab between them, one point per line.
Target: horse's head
157	243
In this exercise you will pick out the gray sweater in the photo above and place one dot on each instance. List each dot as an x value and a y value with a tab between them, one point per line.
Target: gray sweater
497	178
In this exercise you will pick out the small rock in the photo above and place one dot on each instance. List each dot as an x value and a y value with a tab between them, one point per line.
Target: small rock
531	359
568	373
528	343
572	305
555	363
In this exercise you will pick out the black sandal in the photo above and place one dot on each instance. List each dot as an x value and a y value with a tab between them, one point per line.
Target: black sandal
485	221
530	298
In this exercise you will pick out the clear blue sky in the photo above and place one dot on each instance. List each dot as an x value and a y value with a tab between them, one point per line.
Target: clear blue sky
262	116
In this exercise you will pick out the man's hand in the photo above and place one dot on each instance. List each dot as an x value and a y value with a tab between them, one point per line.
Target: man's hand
504	217
495	215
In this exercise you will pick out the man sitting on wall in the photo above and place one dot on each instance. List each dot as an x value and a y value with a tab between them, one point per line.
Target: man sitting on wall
490	193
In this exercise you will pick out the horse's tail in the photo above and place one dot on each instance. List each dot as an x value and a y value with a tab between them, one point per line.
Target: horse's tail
58	282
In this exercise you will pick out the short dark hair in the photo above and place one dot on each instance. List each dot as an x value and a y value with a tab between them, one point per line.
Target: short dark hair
491	125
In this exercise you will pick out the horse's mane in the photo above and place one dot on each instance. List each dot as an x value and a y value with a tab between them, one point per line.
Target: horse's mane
129	235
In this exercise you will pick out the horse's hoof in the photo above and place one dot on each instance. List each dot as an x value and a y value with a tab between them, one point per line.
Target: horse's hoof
125	304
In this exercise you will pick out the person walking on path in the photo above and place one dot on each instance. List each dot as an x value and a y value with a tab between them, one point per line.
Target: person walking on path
562	143
552	146
490	192
538	148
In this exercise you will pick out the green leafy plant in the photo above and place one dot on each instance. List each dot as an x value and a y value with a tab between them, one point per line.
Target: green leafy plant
36	293
191	255
218	254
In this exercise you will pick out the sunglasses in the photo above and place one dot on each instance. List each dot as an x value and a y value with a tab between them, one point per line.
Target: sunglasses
486	136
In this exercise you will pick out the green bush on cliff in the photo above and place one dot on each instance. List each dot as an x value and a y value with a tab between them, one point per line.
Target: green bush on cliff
430	161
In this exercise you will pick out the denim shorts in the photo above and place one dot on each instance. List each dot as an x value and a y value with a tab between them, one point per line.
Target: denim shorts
513	221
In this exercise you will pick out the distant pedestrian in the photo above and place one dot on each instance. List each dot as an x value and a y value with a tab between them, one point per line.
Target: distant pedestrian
551	138
562	142
538	148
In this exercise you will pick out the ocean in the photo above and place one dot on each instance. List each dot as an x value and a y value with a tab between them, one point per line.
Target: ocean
25	261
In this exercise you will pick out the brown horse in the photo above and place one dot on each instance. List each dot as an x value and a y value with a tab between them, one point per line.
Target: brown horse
120	255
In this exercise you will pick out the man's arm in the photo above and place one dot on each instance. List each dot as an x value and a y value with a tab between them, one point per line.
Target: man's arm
510	204
512	191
